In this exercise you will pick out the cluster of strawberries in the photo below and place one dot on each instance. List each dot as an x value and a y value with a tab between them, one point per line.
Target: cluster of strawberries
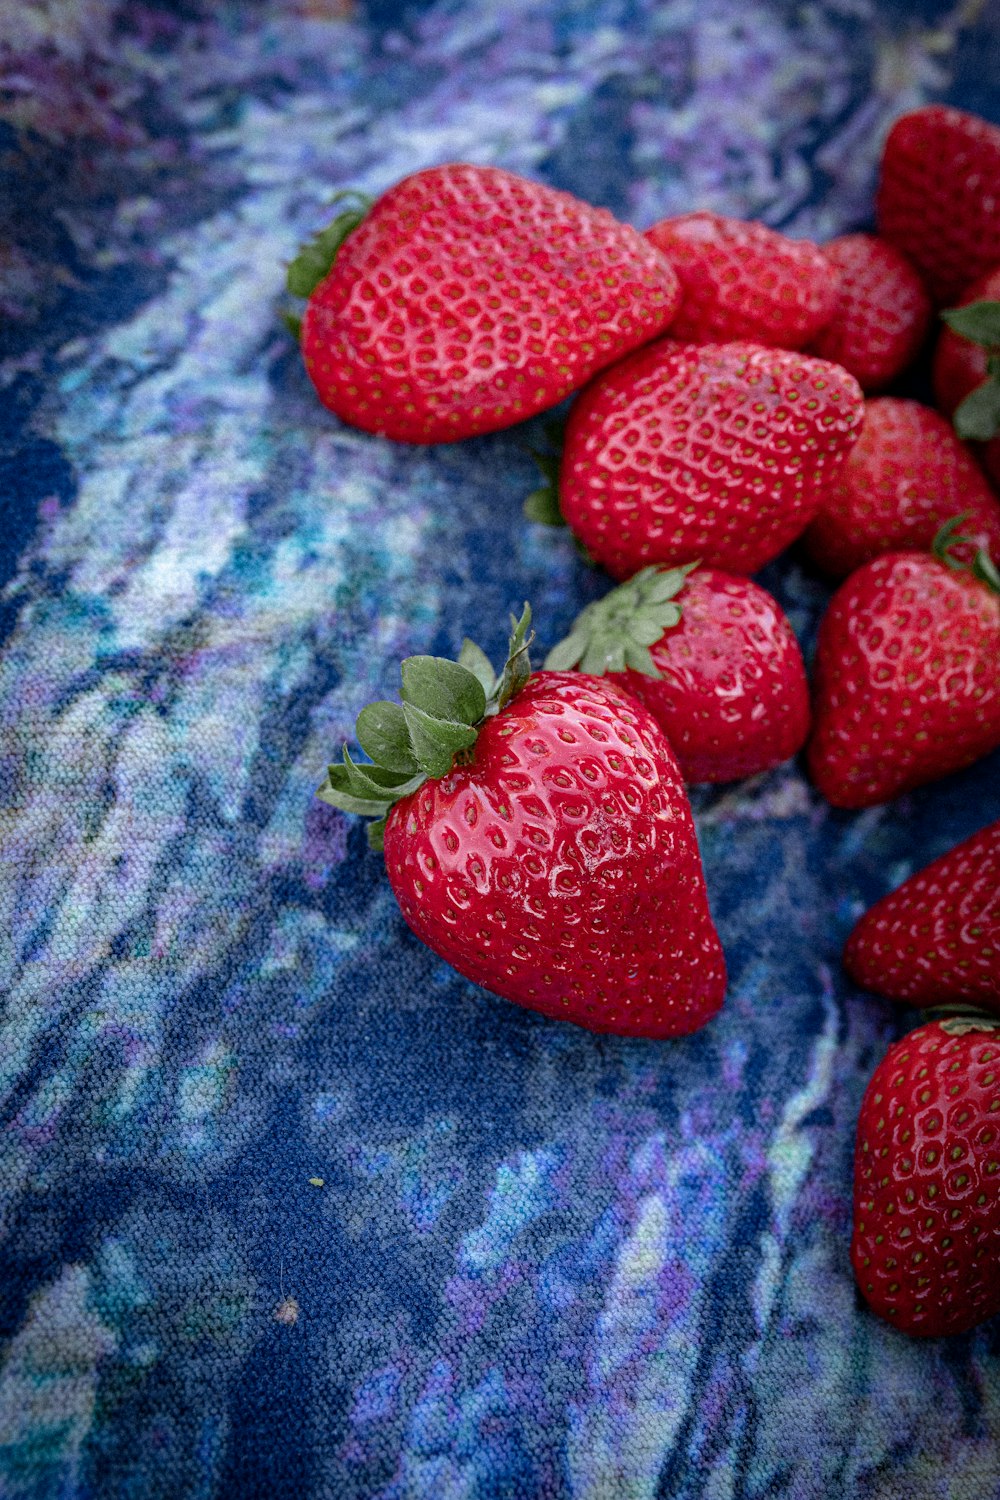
536	827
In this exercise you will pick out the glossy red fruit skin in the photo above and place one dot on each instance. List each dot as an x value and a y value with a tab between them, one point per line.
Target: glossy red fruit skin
742	280
905	477
926	1241
732	696
905	685
937	197
719	453
882	314
560	869
470	299
937	937
960	365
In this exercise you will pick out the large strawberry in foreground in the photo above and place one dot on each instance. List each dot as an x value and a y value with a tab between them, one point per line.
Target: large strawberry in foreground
742	280
926	1240
538	837
907	675
467	298
713	658
938	936
720	453
938	199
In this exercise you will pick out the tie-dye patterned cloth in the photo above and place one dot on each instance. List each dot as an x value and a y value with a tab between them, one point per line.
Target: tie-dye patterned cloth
287	1208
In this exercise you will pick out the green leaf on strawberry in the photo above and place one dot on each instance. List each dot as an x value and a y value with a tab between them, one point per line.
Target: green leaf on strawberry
617	631
977	417
444	705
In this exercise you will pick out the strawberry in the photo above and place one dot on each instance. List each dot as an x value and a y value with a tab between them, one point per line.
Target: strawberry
742	280
938	936
926	1240
719	453
712	657
882	314
538	837
967	368
905	477
937	197
466	299
907	677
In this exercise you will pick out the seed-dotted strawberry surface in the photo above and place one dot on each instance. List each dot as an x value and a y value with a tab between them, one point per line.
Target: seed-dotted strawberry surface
718	453
926	1240
906	476
905	687
743	280
937	937
470	298
560	868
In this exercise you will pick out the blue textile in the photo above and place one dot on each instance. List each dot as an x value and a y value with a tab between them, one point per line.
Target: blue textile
286	1207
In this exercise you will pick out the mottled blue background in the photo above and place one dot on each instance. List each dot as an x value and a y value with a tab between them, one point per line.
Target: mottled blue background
539	1263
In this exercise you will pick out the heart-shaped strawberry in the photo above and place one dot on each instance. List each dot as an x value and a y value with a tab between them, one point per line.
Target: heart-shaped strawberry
718	453
538	836
467	298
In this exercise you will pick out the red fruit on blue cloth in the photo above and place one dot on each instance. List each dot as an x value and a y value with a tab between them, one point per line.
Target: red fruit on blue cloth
937	937
926	1240
538	837
468	298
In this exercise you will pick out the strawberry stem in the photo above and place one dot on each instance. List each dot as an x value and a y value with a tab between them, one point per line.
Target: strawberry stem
982	566
616	632
444	705
316	257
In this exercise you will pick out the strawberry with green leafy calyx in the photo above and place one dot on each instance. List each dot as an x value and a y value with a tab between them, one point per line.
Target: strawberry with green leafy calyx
713	658
466	298
444	705
538	837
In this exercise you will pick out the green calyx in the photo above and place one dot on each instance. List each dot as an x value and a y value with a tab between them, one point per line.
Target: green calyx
978	417
617	632
982	565
444	704
317	255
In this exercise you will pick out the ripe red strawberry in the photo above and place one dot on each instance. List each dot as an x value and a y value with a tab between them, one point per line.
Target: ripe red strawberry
906	684
962	366
742	280
937	937
937	198
466	299
713	658
882	314
926	1240
905	477
720	453
538	837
